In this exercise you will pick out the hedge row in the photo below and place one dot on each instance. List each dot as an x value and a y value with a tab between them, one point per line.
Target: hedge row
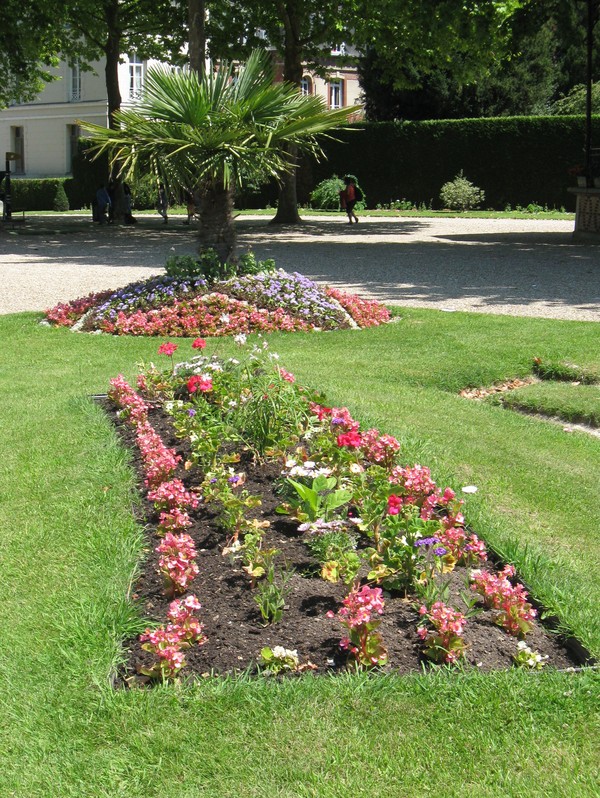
515	160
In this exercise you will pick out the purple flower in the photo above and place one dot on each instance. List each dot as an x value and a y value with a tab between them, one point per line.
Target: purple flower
191	412
439	551
427	542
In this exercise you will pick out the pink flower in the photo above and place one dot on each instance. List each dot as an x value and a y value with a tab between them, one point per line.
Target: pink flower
199	383
285	375
394	504
199	343
167	349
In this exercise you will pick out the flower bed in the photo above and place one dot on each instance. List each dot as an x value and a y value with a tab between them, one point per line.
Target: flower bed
287	539
176	306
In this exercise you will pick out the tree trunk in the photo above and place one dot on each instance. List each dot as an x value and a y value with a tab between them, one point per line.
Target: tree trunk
112	52
217	230
197	34
287	207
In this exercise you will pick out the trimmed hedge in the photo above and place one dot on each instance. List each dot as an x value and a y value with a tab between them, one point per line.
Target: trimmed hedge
515	160
47	194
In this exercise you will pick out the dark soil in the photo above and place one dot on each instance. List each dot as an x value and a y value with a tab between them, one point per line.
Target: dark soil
232	621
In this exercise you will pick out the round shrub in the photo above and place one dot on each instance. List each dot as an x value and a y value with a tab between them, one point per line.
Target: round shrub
460	194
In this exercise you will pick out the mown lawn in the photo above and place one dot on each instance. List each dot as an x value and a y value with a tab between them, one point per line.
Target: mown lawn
70	548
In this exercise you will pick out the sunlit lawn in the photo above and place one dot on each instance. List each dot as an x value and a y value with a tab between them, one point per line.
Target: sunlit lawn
70	548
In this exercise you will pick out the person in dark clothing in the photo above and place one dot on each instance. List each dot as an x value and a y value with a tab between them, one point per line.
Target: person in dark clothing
102	203
349	198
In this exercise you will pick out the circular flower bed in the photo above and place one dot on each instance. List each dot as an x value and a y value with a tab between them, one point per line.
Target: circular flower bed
177	306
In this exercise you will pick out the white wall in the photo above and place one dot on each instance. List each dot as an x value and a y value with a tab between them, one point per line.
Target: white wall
45	120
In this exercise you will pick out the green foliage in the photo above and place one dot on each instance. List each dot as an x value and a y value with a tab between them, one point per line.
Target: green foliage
60	203
39	195
575	101
515	158
460	194
336	552
326	196
272	592
318	500
207	266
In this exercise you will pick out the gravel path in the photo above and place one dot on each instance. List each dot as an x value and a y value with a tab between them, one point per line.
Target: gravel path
517	267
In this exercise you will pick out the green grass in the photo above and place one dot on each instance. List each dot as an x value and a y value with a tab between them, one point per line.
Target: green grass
575	403
487	214
70	548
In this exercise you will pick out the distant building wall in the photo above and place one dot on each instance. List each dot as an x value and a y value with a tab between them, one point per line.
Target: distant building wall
44	132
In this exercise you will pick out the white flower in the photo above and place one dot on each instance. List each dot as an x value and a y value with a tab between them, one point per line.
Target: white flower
233	403
290	463
273	355
279	652
323	472
356	468
309	464
469	489
240	339
224	318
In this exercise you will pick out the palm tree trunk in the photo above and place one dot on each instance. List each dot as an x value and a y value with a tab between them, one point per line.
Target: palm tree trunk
217	230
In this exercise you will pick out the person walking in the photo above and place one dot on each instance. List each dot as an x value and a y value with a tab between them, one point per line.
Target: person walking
349	197
162	203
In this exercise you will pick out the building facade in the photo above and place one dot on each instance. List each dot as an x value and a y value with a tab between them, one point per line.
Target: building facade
42	135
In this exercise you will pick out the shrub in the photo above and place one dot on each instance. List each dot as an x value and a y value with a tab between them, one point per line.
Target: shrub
37	195
61	203
207	266
326	196
460	194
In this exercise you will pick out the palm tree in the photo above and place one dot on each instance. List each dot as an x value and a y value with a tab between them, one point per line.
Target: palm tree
205	133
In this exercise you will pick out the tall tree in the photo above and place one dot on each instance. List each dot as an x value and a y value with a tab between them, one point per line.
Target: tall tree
206	132
423	33
544	56
32	35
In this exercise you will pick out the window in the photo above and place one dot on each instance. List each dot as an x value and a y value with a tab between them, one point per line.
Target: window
73	134
306	85
17	145
75	86
136	76
338	49
336	94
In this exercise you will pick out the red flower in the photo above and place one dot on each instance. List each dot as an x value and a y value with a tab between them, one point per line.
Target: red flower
167	349
394	504
199	343
198	383
352	440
